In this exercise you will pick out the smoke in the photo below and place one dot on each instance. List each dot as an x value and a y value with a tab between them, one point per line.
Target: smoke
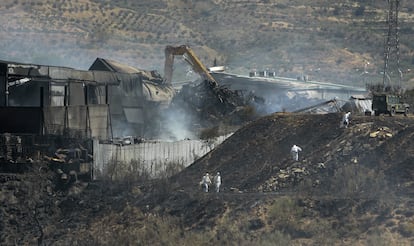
67	42
177	124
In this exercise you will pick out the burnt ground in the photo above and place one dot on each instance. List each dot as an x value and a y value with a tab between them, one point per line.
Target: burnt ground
350	186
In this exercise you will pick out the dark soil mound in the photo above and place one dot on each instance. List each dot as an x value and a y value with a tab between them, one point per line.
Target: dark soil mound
257	157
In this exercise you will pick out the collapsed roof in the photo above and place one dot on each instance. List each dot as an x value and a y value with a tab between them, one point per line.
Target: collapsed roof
153	88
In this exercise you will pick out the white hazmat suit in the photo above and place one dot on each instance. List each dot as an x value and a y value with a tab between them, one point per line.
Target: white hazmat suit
217	181
345	119
205	182
295	152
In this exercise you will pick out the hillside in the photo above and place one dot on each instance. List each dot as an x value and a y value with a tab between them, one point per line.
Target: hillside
260	151
336	41
351	186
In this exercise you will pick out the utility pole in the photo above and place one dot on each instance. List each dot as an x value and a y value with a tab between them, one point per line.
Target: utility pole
392	71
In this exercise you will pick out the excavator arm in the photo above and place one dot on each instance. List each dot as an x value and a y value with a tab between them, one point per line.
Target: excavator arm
191	58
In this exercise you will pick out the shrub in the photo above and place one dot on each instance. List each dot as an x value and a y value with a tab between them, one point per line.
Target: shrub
380	238
407	229
360	10
270	238
337	11
357	182
285	211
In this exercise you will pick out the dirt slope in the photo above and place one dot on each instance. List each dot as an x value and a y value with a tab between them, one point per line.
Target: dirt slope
350	185
260	151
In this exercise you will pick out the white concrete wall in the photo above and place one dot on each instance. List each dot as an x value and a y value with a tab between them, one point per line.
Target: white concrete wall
114	161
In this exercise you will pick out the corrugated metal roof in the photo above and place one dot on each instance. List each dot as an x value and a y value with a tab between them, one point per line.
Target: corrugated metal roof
156	93
64	74
113	66
152	87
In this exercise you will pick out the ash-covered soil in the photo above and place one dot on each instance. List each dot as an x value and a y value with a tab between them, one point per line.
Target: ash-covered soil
256	156
351	186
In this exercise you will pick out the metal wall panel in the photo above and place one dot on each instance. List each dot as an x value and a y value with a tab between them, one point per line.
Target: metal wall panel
153	157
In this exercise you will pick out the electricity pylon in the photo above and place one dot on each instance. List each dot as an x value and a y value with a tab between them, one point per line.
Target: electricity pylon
392	71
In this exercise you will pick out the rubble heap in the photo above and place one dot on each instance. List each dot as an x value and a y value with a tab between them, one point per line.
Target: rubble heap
211	104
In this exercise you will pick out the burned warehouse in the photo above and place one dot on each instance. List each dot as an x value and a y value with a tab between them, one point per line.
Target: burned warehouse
41	102
93	103
66	115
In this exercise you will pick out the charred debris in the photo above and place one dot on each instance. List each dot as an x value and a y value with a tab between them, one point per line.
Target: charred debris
209	102
214	105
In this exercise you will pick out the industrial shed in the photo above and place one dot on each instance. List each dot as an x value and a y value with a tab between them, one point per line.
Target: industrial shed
39	99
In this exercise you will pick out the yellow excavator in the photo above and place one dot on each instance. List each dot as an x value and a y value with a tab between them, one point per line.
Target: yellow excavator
191	58
209	102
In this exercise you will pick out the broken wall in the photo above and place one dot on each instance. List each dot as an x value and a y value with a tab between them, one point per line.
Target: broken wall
78	121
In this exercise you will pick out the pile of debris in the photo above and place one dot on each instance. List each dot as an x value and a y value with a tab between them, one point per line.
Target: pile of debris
287	176
382	133
212	104
71	162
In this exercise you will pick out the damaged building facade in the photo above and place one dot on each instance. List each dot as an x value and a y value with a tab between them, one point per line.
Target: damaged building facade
107	118
91	104
44	108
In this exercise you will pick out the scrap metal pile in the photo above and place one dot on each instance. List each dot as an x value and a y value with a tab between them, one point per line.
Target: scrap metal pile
212	104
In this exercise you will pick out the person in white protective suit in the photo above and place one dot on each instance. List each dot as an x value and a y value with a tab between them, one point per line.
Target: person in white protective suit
205	182
217	181
295	152
345	119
